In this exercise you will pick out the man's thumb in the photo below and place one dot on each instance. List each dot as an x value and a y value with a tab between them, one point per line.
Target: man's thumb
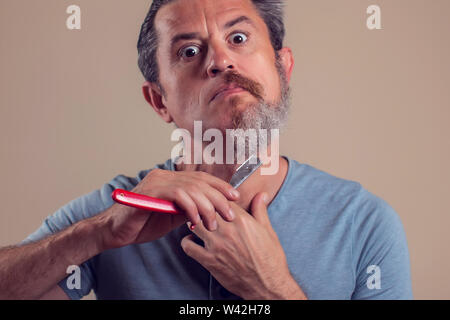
259	208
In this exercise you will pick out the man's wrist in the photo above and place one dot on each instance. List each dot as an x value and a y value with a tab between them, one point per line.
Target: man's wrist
291	291
101	226
286	289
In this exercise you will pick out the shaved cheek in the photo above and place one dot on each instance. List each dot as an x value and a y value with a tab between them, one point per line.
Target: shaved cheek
186	108
187	96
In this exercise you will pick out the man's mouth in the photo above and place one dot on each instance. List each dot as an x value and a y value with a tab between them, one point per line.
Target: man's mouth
234	83
226	90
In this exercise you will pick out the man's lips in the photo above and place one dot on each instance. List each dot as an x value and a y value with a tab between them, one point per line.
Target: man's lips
224	91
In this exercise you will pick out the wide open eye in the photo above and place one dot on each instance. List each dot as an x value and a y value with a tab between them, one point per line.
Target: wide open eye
238	38
189	52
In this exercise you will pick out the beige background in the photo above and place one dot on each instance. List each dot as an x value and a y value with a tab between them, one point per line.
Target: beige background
370	106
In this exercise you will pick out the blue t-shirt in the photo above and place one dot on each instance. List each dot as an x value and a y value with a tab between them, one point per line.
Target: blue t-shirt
340	240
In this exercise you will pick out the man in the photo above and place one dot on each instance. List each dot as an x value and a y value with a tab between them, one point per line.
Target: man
299	233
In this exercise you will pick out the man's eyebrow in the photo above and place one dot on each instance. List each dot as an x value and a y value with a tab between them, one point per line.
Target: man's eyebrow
184	36
196	35
238	20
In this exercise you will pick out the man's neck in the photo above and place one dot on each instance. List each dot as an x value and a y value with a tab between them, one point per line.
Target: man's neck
256	183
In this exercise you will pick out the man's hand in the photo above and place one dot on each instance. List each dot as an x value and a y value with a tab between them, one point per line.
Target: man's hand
245	255
199	194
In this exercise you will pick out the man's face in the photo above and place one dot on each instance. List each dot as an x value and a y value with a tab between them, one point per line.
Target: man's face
205	45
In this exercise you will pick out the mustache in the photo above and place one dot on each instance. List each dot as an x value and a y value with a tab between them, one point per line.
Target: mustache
255	88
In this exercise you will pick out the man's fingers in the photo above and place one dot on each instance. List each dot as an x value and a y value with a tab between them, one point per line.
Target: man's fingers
259	209
205	208
200	231
224	187
221	204
184	201
195	251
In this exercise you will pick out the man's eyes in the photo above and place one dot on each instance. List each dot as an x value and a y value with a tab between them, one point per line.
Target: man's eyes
238	38
188	52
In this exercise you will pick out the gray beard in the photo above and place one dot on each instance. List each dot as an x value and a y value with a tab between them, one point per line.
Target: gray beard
262	115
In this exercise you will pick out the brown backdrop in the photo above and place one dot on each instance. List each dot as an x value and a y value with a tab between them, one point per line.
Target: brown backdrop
370	106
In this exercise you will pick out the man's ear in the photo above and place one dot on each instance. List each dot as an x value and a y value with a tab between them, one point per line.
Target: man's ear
287	61
153	95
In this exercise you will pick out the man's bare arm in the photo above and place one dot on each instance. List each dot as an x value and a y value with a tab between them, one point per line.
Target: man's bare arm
33	270
56	293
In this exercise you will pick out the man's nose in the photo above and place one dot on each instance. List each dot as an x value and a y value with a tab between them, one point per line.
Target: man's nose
219	61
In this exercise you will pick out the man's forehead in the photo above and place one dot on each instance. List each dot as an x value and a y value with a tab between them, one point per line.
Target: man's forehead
182	15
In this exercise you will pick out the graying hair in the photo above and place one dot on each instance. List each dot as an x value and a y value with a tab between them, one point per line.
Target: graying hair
271	11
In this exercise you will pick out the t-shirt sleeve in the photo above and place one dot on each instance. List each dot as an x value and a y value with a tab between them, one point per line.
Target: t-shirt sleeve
380	251
79	209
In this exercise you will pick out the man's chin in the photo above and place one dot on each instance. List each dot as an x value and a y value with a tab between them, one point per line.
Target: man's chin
240	103
235	101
